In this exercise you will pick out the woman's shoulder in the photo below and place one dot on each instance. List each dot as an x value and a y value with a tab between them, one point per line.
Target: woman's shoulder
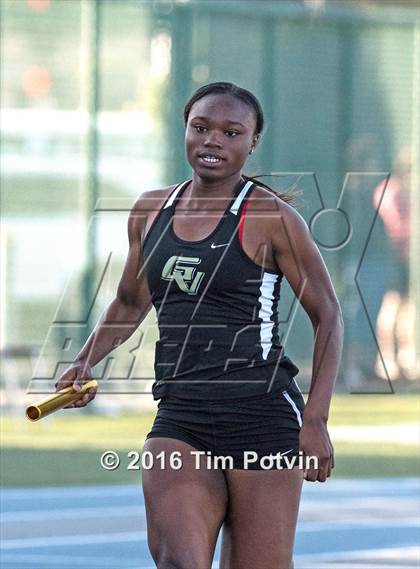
146	206
152	199
277	213
261	199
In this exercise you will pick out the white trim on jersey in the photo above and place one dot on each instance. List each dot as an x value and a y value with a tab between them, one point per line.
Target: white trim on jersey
266	299
237	203
174	194
295	409
234	208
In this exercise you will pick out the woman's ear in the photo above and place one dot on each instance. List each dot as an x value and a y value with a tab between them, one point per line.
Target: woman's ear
255	140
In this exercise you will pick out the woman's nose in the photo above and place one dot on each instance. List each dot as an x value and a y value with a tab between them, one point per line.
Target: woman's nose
212	139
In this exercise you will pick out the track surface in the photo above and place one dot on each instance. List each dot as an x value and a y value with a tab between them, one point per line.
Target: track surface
343	524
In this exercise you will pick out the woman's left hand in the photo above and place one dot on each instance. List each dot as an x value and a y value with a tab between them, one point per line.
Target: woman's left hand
315	442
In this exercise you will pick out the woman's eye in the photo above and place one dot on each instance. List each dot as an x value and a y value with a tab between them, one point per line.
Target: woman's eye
231	133
199	128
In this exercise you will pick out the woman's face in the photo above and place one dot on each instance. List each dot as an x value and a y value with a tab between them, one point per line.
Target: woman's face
219	135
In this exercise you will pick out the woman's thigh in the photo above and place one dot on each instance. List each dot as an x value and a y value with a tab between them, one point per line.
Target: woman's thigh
185	508
259	530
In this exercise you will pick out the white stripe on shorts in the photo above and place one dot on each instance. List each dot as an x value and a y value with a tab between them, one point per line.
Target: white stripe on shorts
295	409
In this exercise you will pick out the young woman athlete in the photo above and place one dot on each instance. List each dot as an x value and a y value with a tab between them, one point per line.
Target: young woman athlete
210	253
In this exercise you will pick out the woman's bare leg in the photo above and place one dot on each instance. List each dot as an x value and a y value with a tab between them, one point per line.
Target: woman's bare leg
405	336
185	508
260	526
385	325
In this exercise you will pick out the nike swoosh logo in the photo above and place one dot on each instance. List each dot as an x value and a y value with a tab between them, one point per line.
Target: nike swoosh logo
287	452
214	246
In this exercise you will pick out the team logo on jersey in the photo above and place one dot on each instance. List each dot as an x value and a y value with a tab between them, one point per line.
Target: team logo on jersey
186	276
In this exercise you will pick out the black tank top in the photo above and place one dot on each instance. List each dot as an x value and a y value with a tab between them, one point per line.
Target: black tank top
216	310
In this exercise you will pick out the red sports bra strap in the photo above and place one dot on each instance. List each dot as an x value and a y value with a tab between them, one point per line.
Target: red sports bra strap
242	221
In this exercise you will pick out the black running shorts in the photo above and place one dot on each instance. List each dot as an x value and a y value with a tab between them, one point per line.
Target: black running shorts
257	432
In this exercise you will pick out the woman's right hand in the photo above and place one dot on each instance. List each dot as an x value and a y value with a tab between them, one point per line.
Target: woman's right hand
77	375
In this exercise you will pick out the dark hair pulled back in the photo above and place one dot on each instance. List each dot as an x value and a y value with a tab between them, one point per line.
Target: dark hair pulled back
251	100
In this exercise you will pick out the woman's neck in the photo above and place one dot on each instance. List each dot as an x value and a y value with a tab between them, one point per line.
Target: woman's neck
205	188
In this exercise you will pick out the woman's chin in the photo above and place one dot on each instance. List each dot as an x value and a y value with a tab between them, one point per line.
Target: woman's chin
208	173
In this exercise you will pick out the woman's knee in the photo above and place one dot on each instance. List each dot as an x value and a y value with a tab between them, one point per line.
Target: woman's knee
170	564
174	559
182	548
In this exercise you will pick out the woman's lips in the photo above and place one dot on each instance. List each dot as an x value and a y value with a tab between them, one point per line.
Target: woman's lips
209	160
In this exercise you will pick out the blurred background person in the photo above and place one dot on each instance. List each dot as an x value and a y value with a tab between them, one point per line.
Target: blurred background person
396	318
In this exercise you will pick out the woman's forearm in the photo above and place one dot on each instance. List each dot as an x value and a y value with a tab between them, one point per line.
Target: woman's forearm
115	326
326	361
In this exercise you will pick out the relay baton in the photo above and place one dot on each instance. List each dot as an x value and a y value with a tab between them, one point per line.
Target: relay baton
57	401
